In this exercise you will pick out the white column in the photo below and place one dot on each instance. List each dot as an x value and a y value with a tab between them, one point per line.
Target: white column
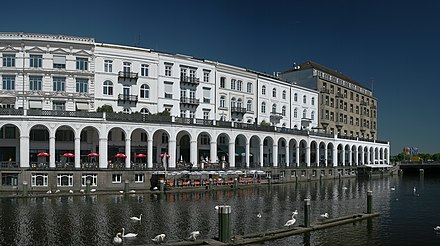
213	152
232	154
308	155
52	151
261	154
150	152
356	157
247	154
287	155
368	156
325	155
127	152
103	158
350	153
77	152
335	155
343	156
172	153
297	156
275	155
317	154
193	153
388	156
24	151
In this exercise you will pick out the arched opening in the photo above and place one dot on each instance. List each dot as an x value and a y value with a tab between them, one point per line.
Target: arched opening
330	156
313	154
322	154
292	153
65	147
268	152
254	149
161	156
183	147
282	152
353	156
204	148
240	151
139	148
302	153
116	148
39	143
340	155
89	147
9	145
223	149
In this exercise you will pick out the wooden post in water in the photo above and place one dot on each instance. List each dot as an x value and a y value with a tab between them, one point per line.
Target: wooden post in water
369	202
161	185
126	183
25	188
224	223
307	212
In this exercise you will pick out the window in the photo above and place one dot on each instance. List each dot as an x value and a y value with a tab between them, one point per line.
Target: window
183	113
108	66
35	60
82	63
222	101
65	179
192	74
168	68
82	85
8	60
8	82
249	87
283	110
304	99
139	177
312	115
206	95
168	90
204	139
263	90
145	111
59	62
126	67
233	84
305	113
59	83
35	83
144	69
233	102
274	108
60	106
93	178
108	88
274	92
10	179
249	106
39	179
205	76
116	178
295	113
284	95
295	97
145	91
164	138
263	107
222	82
313	101
239	85
206	115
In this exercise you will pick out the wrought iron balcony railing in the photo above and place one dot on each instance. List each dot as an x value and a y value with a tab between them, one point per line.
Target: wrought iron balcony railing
190	80
189	100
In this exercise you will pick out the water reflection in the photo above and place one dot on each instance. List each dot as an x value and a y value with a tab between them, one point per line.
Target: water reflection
95	219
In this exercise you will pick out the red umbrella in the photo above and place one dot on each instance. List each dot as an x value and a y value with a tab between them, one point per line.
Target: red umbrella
68	155
140	155
120	155
93	155
43	154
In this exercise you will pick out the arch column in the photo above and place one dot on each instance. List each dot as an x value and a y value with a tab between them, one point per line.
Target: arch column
213	152
232	154
52	151
247	153
103	158
127	152
261	153
317	154
172	153
77	152
24	151
388	156
308	155
350	152
150	151
343	156
297	155
335	155
356	157
368	156
325	155
193	152
275	154
287	154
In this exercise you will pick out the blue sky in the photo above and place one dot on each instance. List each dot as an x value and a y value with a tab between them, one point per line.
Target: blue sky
396	43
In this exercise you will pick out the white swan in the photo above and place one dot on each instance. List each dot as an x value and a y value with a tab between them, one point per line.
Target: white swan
117	239
128	234
437	228
259	215
414	189
82	190
159	238
393	188
324	215
121	191
295	212
93	190
49	192
193	235
71	191
136	218
131	191
57	191
290	222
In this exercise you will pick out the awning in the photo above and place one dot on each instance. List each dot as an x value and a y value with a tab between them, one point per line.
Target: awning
7	100
82	106
35	104
378	165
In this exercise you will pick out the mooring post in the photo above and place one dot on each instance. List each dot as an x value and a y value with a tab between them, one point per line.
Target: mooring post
126	183
25	188
369	202
161	185
88	187
224	227
211	181
235	183
307	212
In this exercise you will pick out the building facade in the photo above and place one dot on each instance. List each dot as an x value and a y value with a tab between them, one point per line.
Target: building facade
167	111
346	107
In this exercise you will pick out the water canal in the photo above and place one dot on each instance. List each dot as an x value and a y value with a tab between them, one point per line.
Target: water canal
406	218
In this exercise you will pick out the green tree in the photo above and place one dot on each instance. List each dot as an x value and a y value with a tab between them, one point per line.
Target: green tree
105	108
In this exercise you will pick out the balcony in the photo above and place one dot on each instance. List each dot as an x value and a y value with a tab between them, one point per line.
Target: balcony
275	117
238	110
340	95
363	103
190	101
128	76
190	80
127	99
325	91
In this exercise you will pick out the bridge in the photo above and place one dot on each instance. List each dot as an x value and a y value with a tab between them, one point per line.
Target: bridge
416	165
